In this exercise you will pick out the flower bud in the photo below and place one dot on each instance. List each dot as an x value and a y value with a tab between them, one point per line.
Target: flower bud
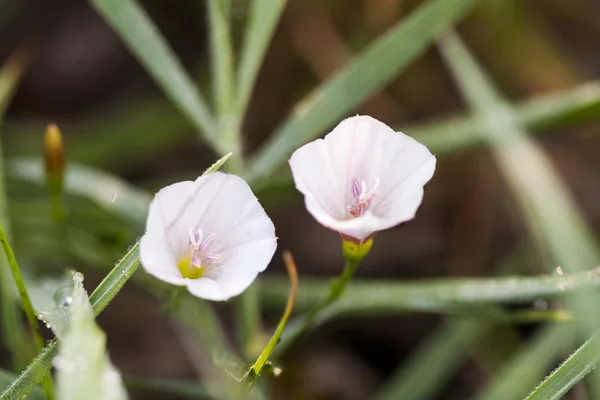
54	158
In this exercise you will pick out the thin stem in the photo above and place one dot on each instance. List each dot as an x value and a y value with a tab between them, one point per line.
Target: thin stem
26	305
261	361
337	288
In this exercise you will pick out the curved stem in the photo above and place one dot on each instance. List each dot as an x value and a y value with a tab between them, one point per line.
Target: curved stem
26	305
307	322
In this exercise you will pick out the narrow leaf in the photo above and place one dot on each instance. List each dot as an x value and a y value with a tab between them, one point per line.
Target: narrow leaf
529	364
571	371
445	295
139	33
263	18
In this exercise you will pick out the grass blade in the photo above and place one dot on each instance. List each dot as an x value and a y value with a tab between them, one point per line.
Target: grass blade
434	362
574	369
547	111
144	40
13	332
221	57
263	18
372	69
6	378
546	204
107	191
529	365
441	295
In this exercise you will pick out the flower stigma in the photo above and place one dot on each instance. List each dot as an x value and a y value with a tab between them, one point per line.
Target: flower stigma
198	258
361	197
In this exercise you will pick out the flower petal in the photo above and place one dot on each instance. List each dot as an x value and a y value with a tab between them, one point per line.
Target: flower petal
241	265
157	259
235	216
206	288
366	151
164	213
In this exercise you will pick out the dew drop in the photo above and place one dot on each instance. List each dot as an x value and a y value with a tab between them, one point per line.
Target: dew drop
78	277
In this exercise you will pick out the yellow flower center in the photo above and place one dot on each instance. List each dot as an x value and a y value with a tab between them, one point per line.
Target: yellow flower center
189	270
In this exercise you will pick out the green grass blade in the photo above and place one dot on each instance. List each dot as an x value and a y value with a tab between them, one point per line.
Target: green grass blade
7	377
436	295
434	362
144	40
263	18
100	298
529	365
545	202
548	111
104	189
14	334
224	92
221	57
571	371
378	64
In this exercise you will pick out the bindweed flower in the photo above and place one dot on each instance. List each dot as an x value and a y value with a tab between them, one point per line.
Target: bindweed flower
211	236
363	177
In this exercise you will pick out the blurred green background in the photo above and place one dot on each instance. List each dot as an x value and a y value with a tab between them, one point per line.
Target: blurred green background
67	66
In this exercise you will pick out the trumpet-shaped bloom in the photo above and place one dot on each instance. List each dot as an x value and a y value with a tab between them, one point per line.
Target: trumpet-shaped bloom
210	235
363	177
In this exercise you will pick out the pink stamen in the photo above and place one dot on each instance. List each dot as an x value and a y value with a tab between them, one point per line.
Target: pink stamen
362	197
198	248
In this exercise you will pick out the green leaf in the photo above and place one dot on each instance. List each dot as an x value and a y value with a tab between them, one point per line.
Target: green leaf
100	298
434	362
14	335
221	56
529	365
545	203
375	66
107	191
7	377
436	295
547	111
84	370
571	371
144	40
263	18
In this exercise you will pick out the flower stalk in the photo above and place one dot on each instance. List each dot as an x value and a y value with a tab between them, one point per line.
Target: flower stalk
263	358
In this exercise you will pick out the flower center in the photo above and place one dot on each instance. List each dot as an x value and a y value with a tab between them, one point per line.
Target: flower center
361	197
194	265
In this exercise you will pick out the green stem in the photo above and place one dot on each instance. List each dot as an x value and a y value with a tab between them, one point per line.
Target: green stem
336	290
26	305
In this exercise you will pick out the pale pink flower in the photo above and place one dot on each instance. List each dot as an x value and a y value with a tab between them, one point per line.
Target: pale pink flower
363	177
211	236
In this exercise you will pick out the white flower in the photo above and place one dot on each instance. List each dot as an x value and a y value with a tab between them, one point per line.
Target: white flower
210	235
362	177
